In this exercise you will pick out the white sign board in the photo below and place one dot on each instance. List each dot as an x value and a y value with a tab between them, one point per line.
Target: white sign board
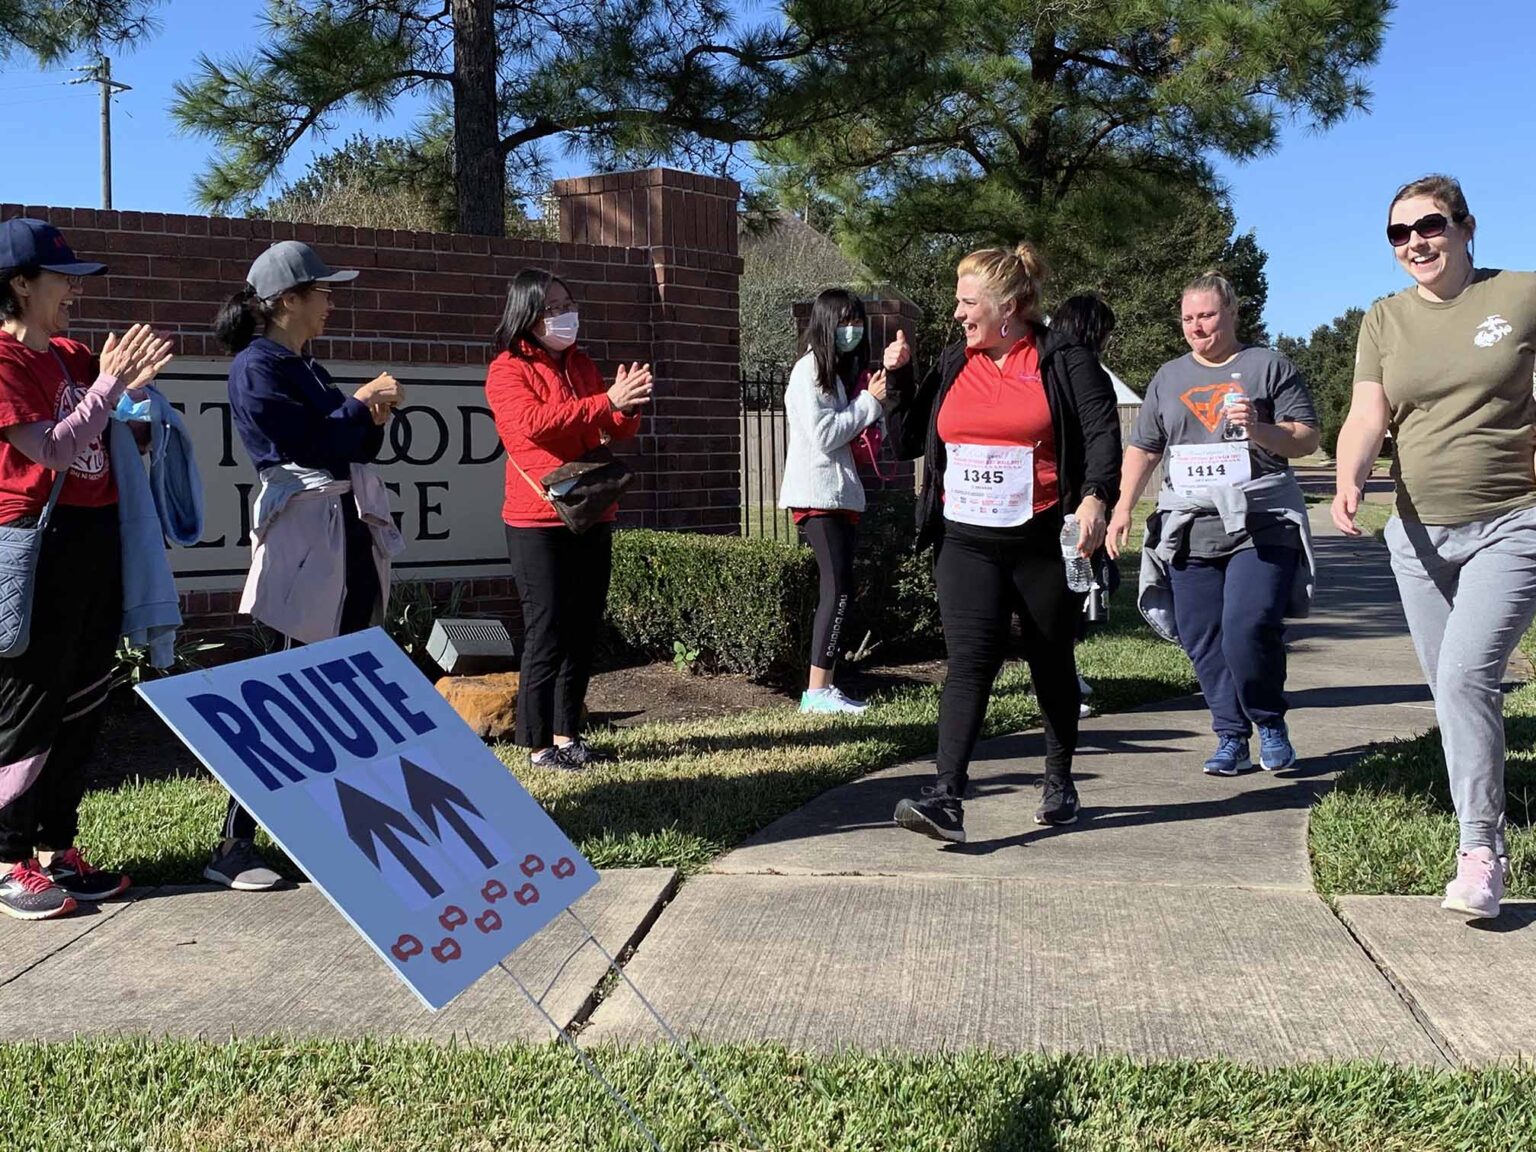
364	775
442	462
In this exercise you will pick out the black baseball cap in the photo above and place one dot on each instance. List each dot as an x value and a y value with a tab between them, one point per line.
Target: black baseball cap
24	241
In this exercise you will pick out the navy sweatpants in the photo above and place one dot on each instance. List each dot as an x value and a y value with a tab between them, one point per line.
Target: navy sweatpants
1230	614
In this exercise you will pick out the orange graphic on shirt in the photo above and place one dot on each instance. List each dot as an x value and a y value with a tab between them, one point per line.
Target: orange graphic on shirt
1205	402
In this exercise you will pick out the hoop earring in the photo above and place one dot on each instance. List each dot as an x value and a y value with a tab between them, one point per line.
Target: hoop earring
1003	331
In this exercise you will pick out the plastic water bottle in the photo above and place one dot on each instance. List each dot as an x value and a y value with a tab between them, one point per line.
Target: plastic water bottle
1079	568
1231	431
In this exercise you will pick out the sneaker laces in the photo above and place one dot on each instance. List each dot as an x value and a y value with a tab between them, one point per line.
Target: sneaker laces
1230	744
935	792
1473	868
1054	788
30	876
242	856
71	860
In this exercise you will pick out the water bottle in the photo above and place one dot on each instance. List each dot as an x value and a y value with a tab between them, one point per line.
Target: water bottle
1079	568
1228	431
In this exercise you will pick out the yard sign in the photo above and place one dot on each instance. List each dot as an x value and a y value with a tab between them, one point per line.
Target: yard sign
366	777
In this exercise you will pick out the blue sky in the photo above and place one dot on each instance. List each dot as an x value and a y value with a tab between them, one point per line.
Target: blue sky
1455	91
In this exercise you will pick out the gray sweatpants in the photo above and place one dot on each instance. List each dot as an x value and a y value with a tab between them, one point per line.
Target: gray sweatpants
1469	593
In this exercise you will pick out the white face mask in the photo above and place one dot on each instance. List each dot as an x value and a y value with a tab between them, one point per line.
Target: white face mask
560	331
849	336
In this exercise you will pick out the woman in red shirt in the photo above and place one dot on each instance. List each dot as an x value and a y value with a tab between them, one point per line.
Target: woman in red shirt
1018	429
55	401
551	407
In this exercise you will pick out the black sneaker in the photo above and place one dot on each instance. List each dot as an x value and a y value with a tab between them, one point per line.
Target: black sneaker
27	893
578	754
938	814
1058	801
83	881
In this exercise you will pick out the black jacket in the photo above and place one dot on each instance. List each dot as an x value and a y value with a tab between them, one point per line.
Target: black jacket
1084	417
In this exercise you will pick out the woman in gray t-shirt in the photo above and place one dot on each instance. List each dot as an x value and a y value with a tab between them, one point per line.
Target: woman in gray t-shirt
1225	416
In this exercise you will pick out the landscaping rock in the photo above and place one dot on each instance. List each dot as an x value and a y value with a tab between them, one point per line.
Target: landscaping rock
488	704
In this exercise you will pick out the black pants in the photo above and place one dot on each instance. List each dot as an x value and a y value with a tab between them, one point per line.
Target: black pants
833	539
357	609
51	695
562	581
981	582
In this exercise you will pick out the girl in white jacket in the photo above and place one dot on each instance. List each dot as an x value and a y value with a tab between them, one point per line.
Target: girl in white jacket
821	483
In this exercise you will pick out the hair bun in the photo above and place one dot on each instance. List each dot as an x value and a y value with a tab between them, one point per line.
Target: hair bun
1034	263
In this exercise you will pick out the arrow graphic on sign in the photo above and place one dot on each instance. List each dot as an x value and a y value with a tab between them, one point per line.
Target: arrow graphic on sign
430	796
371	822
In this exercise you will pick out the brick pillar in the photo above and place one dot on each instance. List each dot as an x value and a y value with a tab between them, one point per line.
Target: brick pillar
886	315
684	227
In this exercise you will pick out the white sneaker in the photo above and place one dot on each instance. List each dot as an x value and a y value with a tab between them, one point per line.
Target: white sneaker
1084	709
830	700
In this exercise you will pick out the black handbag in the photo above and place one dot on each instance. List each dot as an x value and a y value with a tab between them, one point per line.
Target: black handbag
583	490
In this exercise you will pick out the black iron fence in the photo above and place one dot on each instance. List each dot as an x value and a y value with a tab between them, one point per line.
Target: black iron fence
764	442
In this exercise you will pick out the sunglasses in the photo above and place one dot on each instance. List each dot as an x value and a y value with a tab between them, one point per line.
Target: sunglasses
1428	227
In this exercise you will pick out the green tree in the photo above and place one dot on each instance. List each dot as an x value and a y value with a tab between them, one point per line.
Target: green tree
1327	363
620	81
1140	271
51	30
1085	126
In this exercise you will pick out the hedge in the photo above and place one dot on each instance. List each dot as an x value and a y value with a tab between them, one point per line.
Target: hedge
745	605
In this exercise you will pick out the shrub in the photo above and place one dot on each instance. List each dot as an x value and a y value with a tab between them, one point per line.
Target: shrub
895	602
743	605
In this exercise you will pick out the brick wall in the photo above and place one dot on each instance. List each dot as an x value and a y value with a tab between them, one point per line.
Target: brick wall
650	257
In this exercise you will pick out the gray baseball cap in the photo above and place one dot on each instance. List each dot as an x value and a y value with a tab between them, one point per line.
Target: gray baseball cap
288	264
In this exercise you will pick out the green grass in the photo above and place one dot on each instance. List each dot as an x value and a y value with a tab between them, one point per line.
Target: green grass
1388	825
677	794
269	1096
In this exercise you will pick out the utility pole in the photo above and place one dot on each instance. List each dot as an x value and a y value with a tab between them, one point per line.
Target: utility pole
101	73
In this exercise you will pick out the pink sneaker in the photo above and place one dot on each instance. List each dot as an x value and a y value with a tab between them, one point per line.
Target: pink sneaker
1479	884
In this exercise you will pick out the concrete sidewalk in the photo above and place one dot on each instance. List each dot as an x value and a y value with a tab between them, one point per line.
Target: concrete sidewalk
1176	919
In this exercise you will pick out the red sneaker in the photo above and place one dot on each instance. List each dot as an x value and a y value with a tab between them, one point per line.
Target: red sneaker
27	893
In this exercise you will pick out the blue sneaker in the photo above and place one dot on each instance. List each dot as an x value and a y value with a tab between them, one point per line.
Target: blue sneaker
1275	751
1230	759
830	700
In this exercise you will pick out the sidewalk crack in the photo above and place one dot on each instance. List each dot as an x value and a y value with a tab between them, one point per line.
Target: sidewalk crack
98	921
1436	1037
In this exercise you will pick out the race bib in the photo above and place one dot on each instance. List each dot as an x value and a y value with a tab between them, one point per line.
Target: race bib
989	486
1197	468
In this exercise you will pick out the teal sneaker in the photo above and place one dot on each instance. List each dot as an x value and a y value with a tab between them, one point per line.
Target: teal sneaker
830	700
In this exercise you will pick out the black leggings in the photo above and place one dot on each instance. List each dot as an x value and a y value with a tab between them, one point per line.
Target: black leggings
51	696
357	608
562	581
833	539
982	581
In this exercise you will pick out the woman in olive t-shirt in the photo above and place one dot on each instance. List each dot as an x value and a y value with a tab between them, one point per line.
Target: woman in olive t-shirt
1446	366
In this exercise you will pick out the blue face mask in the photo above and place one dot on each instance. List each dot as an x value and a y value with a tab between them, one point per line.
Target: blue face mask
849	337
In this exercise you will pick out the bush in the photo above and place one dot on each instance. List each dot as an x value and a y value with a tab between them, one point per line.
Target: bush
743	605
895	601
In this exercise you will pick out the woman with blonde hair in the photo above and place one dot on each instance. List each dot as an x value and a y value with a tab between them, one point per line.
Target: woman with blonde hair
1446	366
1018	431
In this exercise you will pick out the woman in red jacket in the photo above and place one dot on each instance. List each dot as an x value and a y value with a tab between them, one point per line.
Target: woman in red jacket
551	407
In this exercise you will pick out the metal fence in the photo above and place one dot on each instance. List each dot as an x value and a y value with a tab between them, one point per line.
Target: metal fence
764	442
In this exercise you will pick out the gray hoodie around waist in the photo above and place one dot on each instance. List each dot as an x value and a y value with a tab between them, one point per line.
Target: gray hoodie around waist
1276	496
